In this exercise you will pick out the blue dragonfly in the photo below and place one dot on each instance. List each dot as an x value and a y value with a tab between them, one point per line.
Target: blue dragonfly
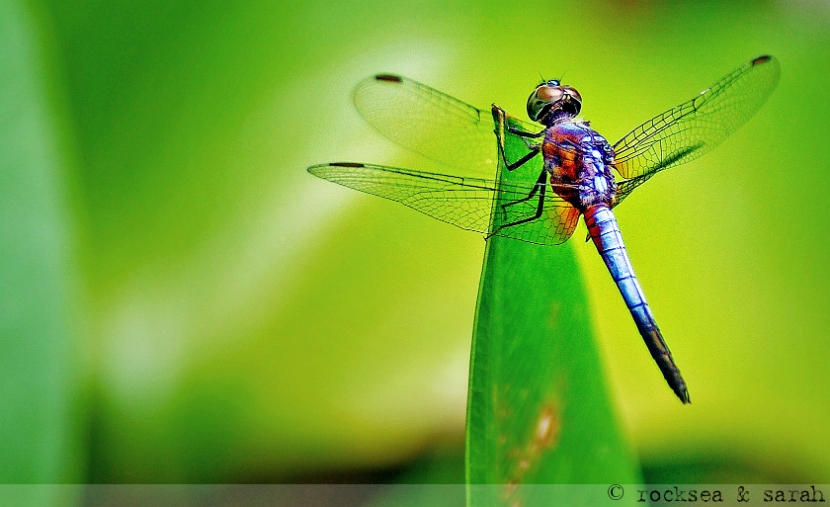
566	169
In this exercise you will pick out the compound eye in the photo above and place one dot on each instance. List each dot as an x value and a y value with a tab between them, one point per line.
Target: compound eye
549	94
573	93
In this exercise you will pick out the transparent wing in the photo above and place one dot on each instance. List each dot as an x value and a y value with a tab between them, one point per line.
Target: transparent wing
430	122
691	129
464	202
557	223
625	187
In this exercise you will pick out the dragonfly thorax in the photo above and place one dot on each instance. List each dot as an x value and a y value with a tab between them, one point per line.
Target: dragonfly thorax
579	161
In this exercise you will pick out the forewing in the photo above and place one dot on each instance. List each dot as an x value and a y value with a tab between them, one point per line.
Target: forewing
691	129
429	122
463	202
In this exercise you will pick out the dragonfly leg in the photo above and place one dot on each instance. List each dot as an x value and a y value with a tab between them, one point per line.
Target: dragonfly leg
541	188
534	150
526	136
540	184
499	116
525	133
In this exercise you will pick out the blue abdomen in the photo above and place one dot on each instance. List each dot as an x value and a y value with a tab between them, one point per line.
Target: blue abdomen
603	228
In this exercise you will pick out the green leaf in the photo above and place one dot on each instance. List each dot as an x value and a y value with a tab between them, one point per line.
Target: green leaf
539	410
37	383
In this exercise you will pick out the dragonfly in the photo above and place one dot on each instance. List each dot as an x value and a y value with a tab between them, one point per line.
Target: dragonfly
562	170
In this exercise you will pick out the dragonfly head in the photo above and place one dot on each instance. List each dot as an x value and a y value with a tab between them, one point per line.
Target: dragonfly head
551	100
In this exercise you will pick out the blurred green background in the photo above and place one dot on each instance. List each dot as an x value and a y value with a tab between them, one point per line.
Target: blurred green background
181	302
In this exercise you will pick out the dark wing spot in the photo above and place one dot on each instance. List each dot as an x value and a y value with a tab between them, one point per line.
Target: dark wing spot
761	59
347	164
389	78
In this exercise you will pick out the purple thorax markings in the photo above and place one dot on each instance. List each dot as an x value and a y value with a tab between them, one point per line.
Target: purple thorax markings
579	159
